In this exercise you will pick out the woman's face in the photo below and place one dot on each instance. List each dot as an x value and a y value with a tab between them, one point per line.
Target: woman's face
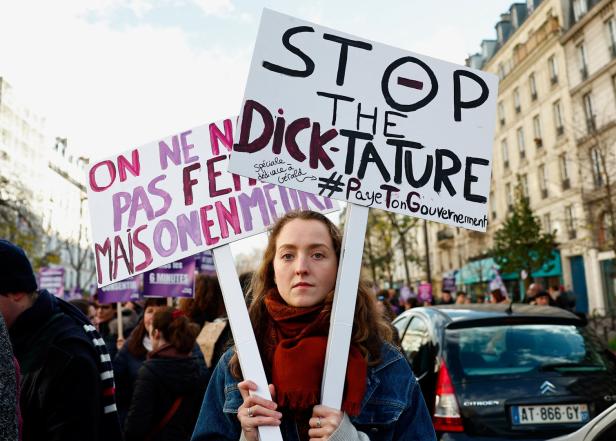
305	264
148	316
104	313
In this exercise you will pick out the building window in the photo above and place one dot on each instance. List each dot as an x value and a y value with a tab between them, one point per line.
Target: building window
610	26
493	205
537	131
580	8
582	60
543	181
516	100
588	113
501	71
605	230
501	113
547	223
595	161
509	196
558	118
570	220
553	68
564	172
524	185
521	144
505	149
533	86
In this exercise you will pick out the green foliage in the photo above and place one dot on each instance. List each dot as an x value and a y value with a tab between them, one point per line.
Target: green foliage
520	244
20	225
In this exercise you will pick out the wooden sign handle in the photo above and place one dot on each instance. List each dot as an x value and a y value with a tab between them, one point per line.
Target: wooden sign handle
243	334
343	308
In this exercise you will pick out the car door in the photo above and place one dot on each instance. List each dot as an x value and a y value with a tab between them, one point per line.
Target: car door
419	350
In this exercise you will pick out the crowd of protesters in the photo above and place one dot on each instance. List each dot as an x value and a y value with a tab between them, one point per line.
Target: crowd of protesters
70	372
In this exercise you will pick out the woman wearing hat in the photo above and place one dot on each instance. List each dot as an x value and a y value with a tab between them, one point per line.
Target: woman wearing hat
290	313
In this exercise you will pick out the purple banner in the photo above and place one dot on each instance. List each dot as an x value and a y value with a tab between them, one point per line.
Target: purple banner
175	279
52	279
449	284
424	292
124	291
205	263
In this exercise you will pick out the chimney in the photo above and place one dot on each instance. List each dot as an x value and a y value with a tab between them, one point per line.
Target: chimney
475	61
503	28
518	13
488	48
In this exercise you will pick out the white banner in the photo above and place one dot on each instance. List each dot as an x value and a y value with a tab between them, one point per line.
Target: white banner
173	198
343	117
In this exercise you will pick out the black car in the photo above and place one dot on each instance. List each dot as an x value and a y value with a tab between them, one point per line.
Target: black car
501	372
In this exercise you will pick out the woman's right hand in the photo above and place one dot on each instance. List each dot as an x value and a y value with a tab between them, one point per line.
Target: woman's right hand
256	411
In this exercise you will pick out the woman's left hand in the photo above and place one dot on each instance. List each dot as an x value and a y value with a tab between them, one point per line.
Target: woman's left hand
324	422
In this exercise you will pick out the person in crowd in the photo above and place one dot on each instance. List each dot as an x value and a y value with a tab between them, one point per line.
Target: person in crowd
133	353
293	291
542	298
66	383
207	309
85	306
532	292
9	380
393	297
461	298
383	305
170	383
410	303
497	296
446	298
106	321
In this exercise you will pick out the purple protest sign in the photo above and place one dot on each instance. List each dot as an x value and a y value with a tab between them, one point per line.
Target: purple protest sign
205	263
176	279
449	284
424	292
52	279
124	291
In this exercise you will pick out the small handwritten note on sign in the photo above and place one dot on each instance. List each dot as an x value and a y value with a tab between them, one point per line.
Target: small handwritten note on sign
173	198
339	116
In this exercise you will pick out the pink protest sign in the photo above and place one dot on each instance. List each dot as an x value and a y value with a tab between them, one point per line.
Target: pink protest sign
173	198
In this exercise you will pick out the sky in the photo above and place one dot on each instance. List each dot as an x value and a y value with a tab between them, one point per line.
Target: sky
111	75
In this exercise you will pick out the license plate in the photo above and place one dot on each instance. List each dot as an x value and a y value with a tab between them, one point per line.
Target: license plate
549	414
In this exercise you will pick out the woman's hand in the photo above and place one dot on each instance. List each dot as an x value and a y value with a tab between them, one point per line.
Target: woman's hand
324	422
256	411
119	343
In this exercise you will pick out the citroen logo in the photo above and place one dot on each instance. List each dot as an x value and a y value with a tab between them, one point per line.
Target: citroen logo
547	388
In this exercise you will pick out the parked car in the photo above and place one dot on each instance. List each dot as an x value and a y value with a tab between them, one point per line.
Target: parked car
600	428
506	372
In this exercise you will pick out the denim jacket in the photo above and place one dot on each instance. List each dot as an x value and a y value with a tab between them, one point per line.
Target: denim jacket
393	407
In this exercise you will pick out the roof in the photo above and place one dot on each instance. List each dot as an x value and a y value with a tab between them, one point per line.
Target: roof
466	315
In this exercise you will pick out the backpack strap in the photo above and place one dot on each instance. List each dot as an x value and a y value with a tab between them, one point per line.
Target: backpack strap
162	423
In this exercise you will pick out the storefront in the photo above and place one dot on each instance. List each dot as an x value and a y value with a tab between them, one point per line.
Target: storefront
475	276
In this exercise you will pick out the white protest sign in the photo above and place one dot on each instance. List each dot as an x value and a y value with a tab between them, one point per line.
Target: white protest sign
340	116
173	198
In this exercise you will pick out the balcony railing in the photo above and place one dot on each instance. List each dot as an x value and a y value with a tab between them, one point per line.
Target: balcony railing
538	142
560	130
554	80
566	184
584	72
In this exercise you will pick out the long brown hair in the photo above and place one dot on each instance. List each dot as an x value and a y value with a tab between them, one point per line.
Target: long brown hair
207	304
134	344
369	328
176	328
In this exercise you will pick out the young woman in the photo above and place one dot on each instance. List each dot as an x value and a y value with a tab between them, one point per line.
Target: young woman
131	356
290	312
170	383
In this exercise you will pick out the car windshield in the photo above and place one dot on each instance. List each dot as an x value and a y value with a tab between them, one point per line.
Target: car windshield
515	349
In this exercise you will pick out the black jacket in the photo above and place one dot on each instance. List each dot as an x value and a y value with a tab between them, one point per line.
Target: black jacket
160	381
61	389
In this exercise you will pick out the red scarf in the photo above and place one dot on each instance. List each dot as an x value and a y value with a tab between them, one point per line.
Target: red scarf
295	349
